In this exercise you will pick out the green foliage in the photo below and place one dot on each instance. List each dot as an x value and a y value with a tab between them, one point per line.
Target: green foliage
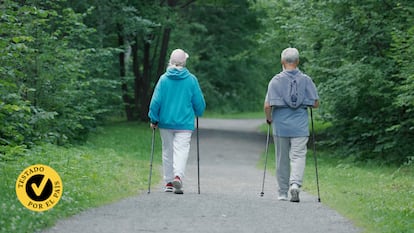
47	91
60	63
111	165
62	72
360	57
133	30
403	127
219	36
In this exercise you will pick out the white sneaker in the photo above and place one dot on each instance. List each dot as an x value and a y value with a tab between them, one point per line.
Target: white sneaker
282	197
168	188
294	192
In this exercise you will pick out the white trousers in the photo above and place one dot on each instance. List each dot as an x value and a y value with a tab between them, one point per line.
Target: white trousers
290	161
175	150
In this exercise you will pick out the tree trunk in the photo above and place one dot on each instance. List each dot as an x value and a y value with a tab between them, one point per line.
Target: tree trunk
137	76
142	91
145	84
122	74
163	52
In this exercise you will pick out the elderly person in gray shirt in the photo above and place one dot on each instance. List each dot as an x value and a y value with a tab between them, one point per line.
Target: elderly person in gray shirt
289	95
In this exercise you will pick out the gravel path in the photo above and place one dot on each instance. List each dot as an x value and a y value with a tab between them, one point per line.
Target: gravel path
229	199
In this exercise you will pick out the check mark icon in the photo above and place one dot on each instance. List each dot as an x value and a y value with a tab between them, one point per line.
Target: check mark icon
39	189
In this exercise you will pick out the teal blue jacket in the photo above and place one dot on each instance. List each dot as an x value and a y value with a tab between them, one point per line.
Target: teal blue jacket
177	100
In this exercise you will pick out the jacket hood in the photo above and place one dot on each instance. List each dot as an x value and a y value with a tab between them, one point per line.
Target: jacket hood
177	73
291	88
292	73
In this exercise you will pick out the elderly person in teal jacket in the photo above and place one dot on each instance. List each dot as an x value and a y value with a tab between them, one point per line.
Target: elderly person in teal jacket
176	101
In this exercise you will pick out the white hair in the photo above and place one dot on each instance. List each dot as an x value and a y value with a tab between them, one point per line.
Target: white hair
290	55
178	58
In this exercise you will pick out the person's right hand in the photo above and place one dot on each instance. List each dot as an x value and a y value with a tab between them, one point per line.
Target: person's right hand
269	121
153	125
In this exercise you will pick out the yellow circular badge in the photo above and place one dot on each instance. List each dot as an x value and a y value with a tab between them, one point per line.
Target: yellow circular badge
39	187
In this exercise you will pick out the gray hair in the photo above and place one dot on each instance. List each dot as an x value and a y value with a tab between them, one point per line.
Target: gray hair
290	55
178	58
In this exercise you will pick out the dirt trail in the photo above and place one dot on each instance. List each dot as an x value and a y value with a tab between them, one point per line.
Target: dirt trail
229	199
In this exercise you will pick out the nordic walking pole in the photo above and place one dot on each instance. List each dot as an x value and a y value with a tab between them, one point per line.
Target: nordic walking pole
198	159
152	158
314	156
267	150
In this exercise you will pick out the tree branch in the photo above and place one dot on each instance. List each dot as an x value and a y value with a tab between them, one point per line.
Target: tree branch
187	3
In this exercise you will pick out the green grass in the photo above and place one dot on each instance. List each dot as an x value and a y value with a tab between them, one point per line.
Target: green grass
378	199
113	164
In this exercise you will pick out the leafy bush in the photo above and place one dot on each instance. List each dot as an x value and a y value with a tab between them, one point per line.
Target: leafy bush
47	63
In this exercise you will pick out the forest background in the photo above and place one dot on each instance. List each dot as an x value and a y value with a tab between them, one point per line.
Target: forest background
66	67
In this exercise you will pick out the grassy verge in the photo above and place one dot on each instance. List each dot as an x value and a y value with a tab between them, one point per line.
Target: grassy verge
379	199
113	164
